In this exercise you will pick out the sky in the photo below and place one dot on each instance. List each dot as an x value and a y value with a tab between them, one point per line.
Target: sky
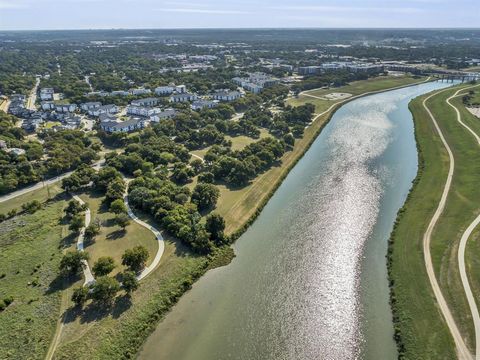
107	14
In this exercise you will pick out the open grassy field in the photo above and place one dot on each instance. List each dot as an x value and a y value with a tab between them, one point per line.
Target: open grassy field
238	205
112	240
421	325
30	253
41	195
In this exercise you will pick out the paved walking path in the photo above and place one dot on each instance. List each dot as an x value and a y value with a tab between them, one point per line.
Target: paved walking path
161	245
87	273
462	350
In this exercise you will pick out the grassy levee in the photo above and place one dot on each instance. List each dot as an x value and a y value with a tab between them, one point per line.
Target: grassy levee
30	253
420	329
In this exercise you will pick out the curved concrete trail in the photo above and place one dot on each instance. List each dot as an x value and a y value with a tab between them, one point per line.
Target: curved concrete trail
463	243
161	245
462	350
87	273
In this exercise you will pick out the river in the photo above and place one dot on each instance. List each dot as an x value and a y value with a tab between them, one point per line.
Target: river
309	280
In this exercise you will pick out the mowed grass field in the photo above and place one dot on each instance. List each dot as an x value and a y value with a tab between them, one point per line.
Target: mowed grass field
30	252
112	240
238	205
421	324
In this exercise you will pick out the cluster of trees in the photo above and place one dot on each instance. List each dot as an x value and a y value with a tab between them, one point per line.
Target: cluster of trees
170	206
239	167
74	214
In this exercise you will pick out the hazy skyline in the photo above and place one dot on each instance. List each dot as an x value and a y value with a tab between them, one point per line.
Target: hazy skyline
105	14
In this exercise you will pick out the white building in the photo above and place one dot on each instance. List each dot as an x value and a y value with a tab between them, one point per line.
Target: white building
105	109
165	114
48	105
227	95
90	105
46	94
202	104
123	126
142	110
185	97
64	108
164	90
140	91
145	102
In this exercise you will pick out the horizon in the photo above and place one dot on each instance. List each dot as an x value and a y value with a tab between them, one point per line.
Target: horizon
48	15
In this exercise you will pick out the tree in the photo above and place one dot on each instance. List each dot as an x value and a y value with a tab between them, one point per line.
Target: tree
115	190
73	208
215	225
76	223
92	230
129	282
103	266
105	289
80	295
72	262
122	220
118	207
205	196
135	258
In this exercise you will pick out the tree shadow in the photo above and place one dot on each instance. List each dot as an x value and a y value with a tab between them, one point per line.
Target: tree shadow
117	234
68	241
122	304
62	282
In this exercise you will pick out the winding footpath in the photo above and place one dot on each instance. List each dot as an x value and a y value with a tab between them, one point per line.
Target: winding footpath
463	243
87	273
161	243
462	350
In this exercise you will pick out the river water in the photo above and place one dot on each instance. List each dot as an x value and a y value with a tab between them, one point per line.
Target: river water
309	280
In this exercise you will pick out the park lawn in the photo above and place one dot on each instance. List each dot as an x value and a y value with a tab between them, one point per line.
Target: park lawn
414	305
30	252
237	206
239	142
41	195
112	240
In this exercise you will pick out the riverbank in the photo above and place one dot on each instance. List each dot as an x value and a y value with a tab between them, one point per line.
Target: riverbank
414	307
121	333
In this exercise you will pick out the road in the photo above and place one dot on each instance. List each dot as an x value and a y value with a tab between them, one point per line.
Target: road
87	80
5	104
462	350
42	184
33	96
